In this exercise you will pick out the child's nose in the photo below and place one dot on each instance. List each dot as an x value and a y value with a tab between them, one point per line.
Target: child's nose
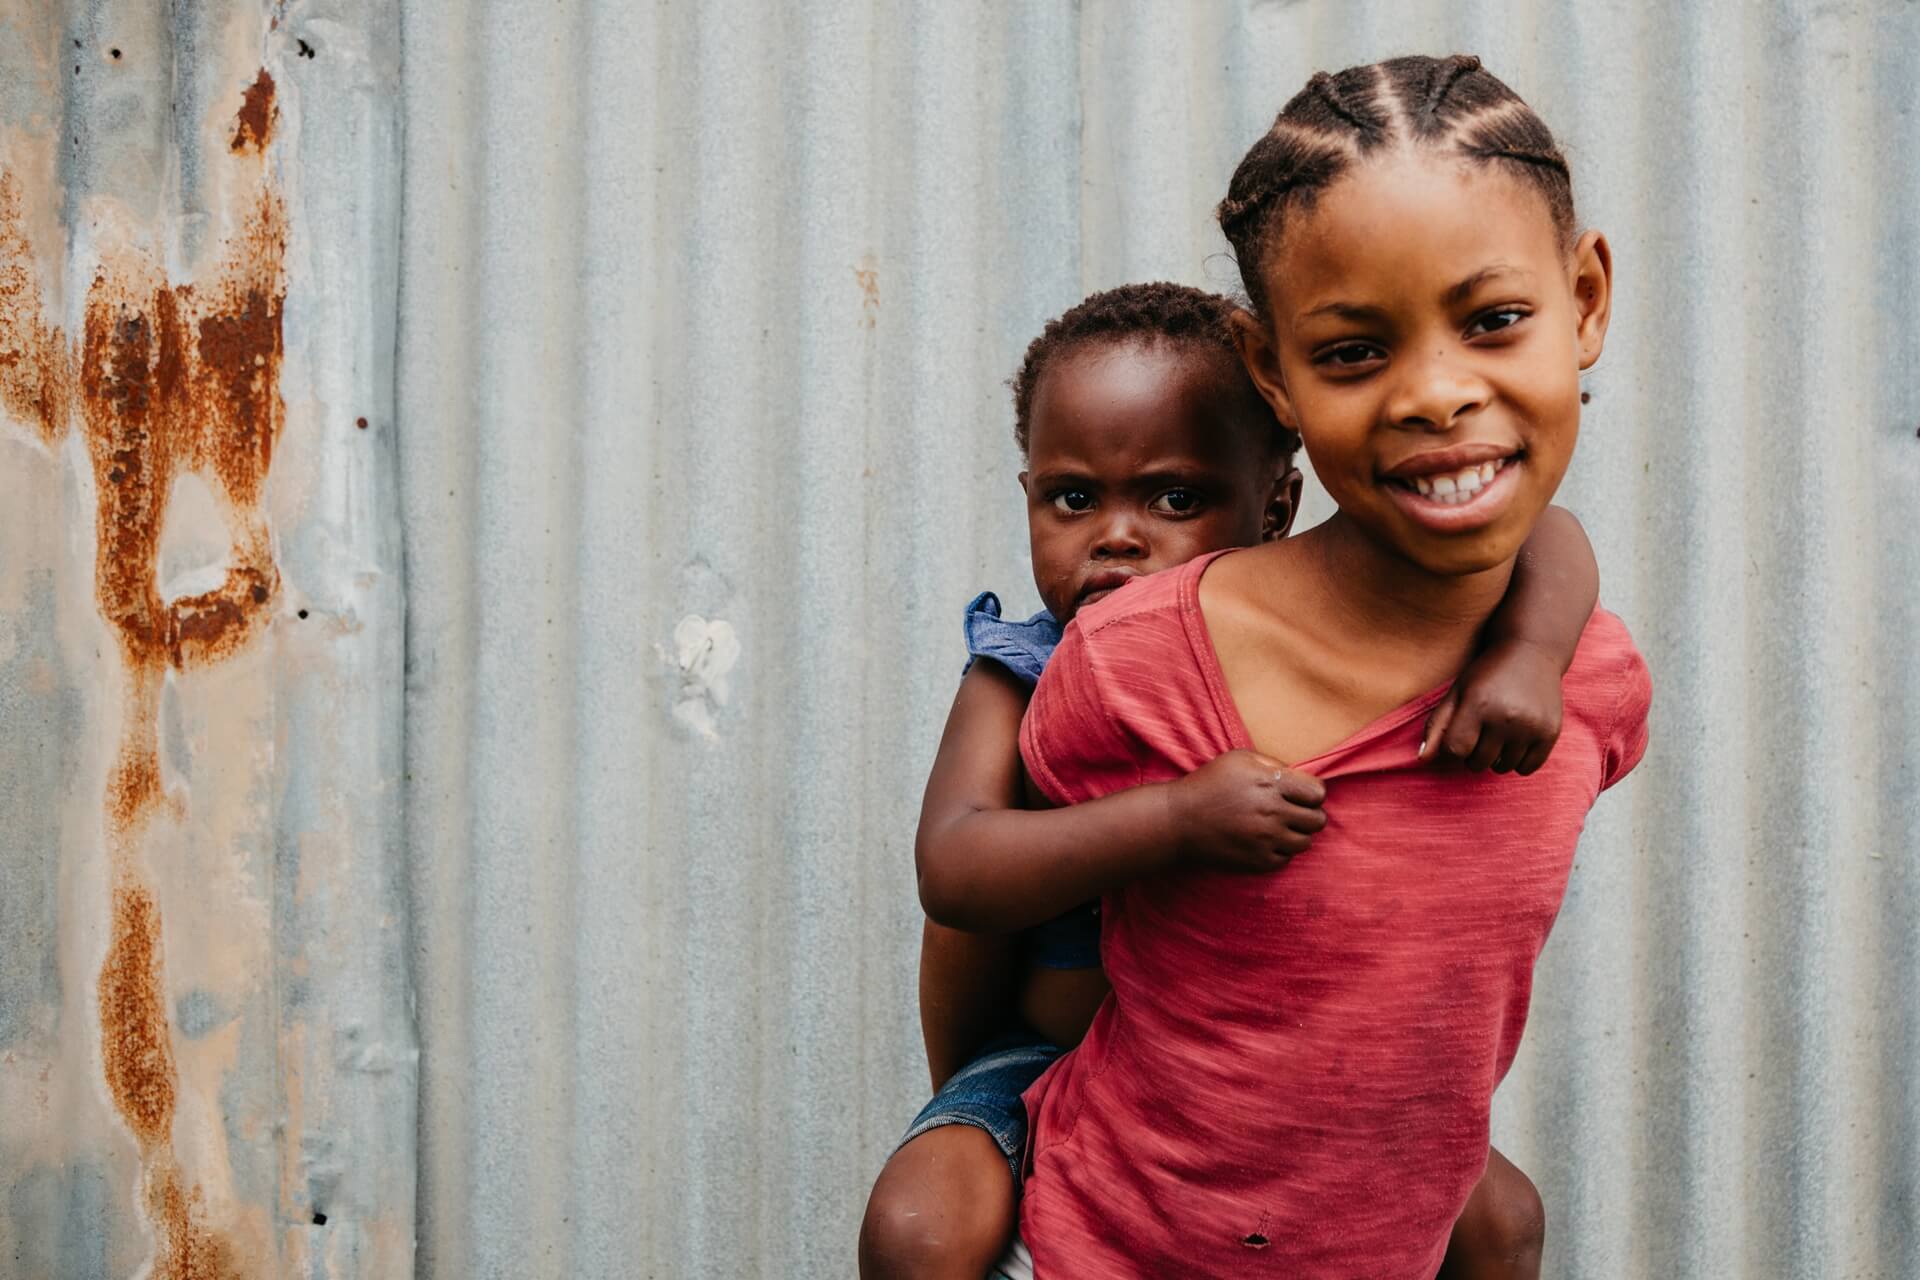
1121	537
1435	392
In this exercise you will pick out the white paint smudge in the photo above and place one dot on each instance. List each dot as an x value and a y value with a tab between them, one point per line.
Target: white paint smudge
703	653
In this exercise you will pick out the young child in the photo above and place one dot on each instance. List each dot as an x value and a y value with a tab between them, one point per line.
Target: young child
1147	445
1293	1072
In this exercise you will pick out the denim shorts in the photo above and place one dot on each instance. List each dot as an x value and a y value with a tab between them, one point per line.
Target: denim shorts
986	1094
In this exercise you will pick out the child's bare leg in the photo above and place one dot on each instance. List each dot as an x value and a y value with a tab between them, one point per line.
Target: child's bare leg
1502	1230
943	1206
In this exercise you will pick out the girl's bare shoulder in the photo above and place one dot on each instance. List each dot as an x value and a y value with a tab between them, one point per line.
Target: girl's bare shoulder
1255	580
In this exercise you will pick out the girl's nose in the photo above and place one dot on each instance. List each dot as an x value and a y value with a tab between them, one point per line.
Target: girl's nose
1435	392
1120	538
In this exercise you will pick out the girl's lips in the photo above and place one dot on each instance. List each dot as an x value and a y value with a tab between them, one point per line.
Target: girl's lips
1445	513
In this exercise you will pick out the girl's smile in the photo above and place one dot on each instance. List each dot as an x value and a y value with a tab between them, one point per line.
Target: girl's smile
1458	489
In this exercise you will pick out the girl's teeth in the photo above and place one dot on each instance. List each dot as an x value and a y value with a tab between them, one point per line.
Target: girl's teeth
1457	487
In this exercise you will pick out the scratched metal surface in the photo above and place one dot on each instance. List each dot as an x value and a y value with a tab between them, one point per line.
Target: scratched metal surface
207	1056
687	424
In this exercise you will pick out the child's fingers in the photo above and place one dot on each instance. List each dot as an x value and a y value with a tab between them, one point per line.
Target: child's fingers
1309	821
1485	751
1535	757
1437	721
1301	788
1291	844
1463	736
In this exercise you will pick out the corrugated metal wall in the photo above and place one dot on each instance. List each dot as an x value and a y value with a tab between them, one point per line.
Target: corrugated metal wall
207	1054
700	440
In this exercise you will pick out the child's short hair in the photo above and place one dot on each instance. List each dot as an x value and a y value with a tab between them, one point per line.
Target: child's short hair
1149	312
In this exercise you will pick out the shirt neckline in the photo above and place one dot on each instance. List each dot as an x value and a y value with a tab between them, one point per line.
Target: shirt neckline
1194	622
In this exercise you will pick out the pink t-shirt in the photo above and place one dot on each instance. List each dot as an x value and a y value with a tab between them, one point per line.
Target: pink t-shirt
1293	1074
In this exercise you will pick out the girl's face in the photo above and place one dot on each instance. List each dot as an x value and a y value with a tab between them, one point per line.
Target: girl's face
1428	333
1135	463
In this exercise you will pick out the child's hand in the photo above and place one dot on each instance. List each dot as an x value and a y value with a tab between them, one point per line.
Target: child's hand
1502	713
1245	812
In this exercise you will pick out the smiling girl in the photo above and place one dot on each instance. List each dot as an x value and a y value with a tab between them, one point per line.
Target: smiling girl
1293	1073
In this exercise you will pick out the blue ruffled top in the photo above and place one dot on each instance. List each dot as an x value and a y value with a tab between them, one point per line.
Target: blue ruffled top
1070	941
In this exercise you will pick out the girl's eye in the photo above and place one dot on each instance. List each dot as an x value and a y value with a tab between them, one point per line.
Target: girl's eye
1073	500
1348	356
1495	321
1177	502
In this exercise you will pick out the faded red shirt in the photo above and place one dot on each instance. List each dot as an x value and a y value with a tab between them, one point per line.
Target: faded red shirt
1293	1074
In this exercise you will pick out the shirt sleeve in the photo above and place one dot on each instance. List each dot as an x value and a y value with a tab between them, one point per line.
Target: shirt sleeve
1627	736
1021	647
1072	748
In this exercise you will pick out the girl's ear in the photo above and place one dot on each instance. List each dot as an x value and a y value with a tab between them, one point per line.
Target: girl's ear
1283	504
1592	295
1262	359
1023	481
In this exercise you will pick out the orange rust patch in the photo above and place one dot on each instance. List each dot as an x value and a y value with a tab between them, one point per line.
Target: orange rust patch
189	1248
868	278
133	1019
177	379
253	127
36	372
133	785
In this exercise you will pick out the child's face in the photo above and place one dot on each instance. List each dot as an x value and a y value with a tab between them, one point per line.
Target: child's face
1136	464
1428	333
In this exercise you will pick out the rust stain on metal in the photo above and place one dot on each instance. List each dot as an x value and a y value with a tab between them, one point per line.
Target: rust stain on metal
253	128
36	371
177	379
189	1248
139	1058
867	276
164	380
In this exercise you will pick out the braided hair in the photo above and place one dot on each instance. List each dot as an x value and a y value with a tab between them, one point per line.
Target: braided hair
1338	119
1159	312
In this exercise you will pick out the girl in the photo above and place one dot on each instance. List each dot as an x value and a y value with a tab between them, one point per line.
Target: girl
1293	1072
1146	446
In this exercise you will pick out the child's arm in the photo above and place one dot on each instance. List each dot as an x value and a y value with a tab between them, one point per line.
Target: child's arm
987	865
1504	711
966	992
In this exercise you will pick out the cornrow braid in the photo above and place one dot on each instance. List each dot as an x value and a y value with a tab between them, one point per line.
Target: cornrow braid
1446	74
1140	312
1339	119
1327	89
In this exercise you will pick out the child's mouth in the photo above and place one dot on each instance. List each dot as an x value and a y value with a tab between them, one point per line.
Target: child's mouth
1467	494
1104	583
1454	488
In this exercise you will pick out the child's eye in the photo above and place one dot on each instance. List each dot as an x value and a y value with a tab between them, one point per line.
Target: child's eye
1073	500
1177	502
1349	356
1494	321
